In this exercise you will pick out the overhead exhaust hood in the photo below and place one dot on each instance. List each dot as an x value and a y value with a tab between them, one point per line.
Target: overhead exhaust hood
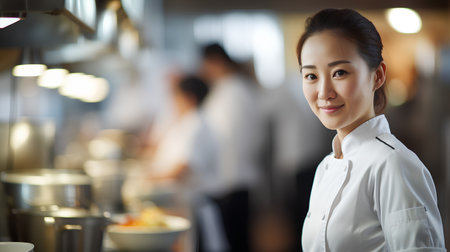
47	22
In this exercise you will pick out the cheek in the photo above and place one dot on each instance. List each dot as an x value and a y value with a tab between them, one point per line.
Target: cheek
310	93
348	90
352	90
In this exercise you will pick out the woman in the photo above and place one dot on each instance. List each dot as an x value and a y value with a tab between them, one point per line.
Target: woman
371	193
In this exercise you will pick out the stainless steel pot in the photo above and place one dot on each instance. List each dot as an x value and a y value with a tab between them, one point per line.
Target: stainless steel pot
28	189
61	230
107	181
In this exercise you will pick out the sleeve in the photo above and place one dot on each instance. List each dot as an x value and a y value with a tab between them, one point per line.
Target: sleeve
203	151
406	203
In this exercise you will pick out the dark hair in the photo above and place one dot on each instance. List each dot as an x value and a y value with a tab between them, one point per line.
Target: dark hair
216	51
357	29
194	86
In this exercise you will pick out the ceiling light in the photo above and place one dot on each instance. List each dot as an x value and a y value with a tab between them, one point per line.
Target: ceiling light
97	92
404	20
86	88
31	64
29	70
72	84
52	78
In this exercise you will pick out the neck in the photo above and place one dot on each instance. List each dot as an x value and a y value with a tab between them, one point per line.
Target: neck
184	111
222	73
341	135
344	131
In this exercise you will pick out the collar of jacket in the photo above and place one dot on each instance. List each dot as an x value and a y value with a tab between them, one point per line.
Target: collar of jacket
374	127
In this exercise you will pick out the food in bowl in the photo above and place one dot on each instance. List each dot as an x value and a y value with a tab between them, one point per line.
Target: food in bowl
151	230
151	217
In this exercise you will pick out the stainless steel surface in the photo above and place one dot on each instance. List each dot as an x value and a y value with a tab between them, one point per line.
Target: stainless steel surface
29	189
47	23
80	12
31	144
64	229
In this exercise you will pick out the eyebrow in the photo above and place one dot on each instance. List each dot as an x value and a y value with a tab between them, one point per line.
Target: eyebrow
331	64
335	63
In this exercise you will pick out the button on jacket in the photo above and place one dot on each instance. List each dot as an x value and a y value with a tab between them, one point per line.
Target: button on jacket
379	197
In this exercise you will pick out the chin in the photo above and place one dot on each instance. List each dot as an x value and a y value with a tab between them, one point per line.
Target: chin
330	127
330	124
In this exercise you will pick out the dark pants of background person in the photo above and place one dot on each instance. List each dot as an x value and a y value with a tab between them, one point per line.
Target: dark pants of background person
297	203
234	209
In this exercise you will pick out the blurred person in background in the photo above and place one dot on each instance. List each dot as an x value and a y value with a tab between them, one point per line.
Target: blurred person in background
232	109
183	141
182	150
371	193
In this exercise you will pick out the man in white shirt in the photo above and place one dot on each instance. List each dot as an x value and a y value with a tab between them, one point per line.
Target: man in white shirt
233	111
183	153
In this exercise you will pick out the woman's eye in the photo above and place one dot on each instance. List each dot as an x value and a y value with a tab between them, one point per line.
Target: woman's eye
339	73
310	77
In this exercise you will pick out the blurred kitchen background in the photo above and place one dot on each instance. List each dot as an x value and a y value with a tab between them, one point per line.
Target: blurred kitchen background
106	74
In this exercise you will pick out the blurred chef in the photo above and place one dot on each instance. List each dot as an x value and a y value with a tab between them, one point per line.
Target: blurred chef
183	142
182	152
371	193
232	109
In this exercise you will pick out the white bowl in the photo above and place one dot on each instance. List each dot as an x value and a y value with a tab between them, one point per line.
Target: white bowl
16	247
148	239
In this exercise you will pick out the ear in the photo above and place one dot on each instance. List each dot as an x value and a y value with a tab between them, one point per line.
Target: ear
380	76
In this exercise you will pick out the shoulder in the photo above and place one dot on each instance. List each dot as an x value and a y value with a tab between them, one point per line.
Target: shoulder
395	151
240	84
383	146
387	148
404	195
231	89
393	162
385	158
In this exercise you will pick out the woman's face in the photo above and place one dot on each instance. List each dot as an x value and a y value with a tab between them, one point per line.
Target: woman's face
337	82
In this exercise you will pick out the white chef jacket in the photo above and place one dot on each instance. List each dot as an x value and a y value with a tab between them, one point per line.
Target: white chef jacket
232	110
379	197
189	140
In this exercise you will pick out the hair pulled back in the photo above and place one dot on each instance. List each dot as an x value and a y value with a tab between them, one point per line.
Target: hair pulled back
356	28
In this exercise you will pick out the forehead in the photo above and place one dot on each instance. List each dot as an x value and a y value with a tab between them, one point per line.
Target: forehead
328	46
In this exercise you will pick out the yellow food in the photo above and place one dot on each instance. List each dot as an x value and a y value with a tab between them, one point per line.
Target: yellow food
151	217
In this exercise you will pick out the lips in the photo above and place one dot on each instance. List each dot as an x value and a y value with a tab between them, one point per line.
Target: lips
330	109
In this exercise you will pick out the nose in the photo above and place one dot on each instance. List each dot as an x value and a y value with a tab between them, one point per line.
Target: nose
326	90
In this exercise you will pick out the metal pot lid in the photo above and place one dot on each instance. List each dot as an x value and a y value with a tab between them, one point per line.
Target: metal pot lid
46	177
